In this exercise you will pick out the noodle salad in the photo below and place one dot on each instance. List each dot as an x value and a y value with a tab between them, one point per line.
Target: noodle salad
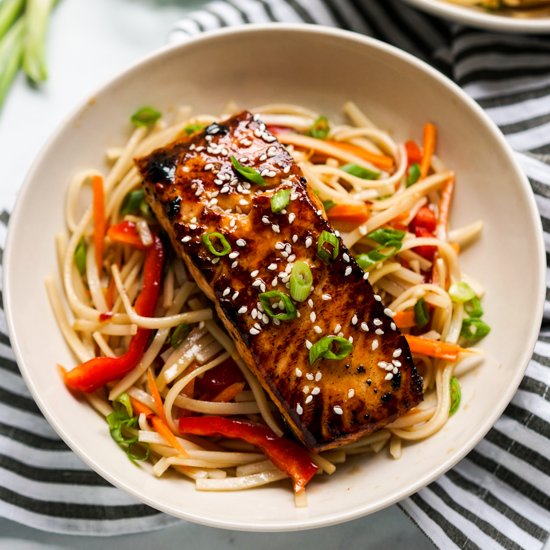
166	375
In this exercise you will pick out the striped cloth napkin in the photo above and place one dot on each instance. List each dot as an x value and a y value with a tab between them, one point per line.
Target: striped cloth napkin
497	497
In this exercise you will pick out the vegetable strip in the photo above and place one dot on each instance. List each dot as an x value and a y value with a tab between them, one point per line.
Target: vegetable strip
430	136
100	222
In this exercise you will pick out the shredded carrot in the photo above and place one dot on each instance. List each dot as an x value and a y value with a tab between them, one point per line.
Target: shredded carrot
433	348
405	319
160	426
381	161
444	208
110	294
350	213
399	221
229	393
430	136
156	395
100	222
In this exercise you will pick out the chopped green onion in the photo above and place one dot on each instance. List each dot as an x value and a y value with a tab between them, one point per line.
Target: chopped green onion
330	347
383	252
9	12
138	451
474	329
80	256
473	307
329	252
192	128
273	298
301	281
280	200
146	116
124	400
37	13
461	292
248	173
179	334
414	174
327	205
320	128
421	313
384	235
207	241
360	172
11	54
119	422
134	203
456	395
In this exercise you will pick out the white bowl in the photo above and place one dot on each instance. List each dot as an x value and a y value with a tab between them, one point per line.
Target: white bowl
320	68
484	19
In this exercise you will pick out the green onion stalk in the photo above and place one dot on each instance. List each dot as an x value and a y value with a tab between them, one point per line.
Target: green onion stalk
11	54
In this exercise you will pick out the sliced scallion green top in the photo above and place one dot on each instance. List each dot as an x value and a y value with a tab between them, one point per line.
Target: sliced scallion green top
146	116
248	173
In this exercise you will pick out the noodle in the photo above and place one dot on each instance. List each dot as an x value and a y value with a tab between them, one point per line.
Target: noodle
98	316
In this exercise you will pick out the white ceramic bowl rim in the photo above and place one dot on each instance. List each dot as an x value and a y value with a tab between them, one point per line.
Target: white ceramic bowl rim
448	461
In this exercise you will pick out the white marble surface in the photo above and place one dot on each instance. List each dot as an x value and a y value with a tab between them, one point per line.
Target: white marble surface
89	42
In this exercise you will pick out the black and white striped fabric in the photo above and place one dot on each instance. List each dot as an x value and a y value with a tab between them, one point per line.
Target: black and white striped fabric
499	496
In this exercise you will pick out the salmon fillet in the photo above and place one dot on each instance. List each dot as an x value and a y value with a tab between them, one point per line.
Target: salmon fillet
194	189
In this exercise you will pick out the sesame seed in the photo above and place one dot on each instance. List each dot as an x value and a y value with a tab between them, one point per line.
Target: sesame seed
318	376
316	391
310	302
286	169
305	389
338	328
299	408
257	282
257	326
377	298
275	228
226	291
389	312
240	242
354	319
265	220
309	376
262	287
298	372
382	364
326	297
254	273
234	264
208	166
350	339
340	334
308	344
271	174
292	257
276	322
294	238
351	393
274	282
379	331
309	399
215	260
265	319
279	245
272	267
254	313
388	376
264	172
396	363
243	202
337	410
291	217
364	327
377	322
397	352
263	157
318	329
365	276
319	212
345	256
395	370
309	241
242	309
374	345
254	331
393	326
186	239
233	255
348	271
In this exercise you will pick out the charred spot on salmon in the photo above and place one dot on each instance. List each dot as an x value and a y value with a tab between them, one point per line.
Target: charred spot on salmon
242	254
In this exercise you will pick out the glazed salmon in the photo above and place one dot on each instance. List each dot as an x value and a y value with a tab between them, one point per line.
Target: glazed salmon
239	251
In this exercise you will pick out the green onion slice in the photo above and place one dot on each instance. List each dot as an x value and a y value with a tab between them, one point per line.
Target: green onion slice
192	128
327	205
384	235
456	395
280	200
421	313
383	252
209	239
124	400
328	246
273	298
474	329
414	174
461	292
360	172
248	173
473	307
134	203
301	281
320	128
179	334
118	422
330	347
146	116
80	256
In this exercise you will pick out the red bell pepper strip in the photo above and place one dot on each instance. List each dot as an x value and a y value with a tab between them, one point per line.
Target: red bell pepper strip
414	155
285	454
96	372
425	218
126	233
